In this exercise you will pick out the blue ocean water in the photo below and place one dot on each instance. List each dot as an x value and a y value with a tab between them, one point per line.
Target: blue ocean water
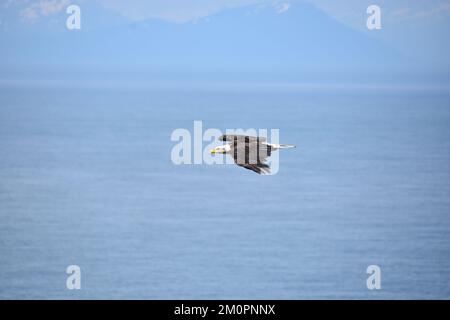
86	178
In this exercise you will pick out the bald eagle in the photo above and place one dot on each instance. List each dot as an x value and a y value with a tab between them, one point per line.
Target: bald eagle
249	152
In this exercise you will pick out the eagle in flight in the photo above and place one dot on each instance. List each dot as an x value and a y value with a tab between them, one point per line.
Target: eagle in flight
249	152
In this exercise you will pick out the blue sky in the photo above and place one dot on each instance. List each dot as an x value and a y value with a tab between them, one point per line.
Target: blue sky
227	35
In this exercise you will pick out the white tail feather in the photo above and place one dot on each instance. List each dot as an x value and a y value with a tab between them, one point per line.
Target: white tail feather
280	146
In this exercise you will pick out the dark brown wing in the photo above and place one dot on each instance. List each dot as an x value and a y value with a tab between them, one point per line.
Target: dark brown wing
232	137
250	154
260	168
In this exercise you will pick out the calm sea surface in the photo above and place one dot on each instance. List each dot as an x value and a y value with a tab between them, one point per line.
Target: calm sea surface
86	178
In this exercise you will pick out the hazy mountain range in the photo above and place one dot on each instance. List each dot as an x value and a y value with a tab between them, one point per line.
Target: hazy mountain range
295	40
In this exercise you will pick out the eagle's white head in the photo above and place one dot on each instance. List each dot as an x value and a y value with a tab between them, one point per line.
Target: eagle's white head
221	149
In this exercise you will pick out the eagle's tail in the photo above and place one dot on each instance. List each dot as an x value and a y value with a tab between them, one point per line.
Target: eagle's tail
286	146
281	146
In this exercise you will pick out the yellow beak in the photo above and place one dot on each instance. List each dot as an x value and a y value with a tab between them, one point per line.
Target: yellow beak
213	151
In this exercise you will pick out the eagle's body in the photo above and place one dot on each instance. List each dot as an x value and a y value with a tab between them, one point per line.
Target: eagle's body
249	152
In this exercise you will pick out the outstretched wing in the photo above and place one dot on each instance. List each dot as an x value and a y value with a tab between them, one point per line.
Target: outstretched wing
261	168
232	137
250	153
